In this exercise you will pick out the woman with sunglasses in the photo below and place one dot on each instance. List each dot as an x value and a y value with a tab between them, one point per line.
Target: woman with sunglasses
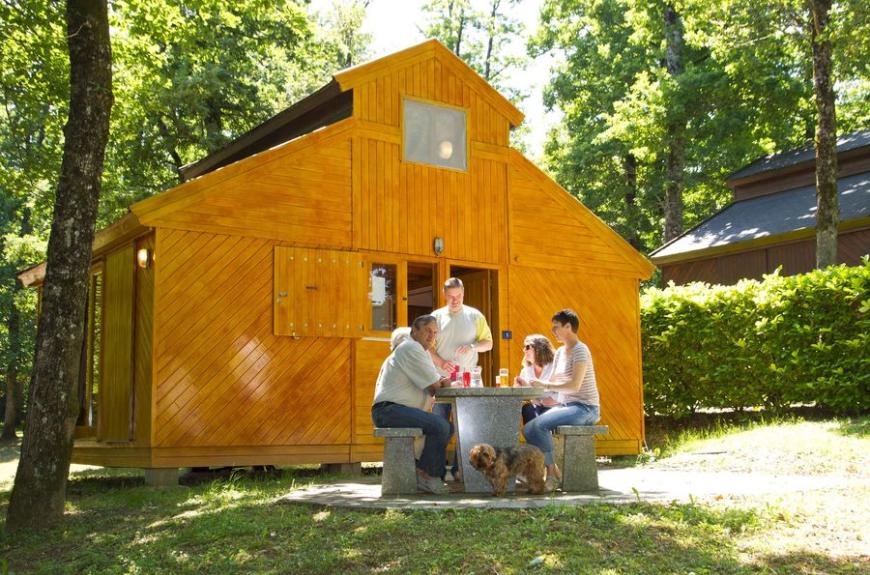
537	364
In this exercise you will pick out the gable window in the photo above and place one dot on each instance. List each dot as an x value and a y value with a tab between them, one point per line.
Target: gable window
434	135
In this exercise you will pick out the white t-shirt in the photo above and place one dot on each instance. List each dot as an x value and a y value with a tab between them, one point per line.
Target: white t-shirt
464	327
528	374
563	372
405	375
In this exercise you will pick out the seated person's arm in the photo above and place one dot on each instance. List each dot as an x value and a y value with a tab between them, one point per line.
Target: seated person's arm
574	385
420	369
441	383
439	361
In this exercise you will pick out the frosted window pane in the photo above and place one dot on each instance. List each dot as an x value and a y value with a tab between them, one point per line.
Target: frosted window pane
434	135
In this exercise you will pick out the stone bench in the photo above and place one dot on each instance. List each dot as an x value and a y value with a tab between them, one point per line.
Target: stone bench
400	472
579	472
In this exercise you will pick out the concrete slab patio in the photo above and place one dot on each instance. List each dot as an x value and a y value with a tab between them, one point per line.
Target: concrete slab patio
618	486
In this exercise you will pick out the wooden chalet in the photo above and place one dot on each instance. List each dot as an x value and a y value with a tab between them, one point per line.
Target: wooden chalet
771	222
241	317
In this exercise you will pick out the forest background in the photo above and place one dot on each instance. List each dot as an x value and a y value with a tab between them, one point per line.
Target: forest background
657	98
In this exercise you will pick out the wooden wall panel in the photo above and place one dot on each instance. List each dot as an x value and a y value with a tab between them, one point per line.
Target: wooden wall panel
380	99
608	309
540	225
143	360
303	197
853	246
116	385
795	258
222	377
403	207
699	271
369	355
734	267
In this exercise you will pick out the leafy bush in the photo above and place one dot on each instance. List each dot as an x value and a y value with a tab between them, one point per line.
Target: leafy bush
782	340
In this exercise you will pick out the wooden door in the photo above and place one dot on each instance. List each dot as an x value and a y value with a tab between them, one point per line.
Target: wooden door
480	293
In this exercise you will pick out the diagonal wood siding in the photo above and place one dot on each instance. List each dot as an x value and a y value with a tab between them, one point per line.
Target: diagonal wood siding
222	377
543	233
303	196
608	309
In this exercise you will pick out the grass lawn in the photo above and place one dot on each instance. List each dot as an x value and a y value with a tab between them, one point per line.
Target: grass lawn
117	525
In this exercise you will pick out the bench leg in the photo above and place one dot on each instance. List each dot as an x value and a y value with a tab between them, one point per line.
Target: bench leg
579	472
400	473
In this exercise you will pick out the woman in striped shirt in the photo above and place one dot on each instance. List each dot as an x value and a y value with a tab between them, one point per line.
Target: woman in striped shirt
573	377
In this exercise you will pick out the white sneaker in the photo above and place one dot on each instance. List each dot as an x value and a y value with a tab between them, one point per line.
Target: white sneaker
432	485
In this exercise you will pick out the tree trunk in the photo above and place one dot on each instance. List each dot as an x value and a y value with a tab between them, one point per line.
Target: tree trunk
487	62
460	28
827	201
676	127
173	152
38	495
214	126
631	212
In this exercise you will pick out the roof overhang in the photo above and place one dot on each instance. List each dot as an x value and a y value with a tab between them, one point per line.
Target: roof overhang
754	244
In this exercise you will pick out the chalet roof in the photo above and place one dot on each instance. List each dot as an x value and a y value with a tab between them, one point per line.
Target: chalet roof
767	216
804	154
334	102
327	105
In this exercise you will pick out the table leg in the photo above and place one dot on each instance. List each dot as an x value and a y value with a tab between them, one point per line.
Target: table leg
493	420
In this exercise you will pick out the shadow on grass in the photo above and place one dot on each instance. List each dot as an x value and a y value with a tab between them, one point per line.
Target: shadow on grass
9	451
854	427
234	525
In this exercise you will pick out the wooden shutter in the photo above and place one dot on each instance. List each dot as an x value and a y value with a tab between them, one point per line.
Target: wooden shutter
319	293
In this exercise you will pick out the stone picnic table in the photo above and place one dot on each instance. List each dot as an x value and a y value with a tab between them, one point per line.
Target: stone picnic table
485	415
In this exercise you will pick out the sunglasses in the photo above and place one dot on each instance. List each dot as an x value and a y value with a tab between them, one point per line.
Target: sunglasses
527	347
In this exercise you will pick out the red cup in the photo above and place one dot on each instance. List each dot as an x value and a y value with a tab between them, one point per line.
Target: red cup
466	379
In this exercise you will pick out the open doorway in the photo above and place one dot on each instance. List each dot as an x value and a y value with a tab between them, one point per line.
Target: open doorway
422	298
481	292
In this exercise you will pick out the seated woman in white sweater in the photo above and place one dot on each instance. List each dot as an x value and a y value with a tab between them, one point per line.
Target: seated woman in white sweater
537	364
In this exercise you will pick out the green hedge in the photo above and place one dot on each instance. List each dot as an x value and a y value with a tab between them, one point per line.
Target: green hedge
783	340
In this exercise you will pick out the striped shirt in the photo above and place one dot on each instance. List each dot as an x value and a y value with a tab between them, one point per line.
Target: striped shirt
563	372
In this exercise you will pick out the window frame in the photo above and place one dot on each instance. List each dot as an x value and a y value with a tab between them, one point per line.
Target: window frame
467	111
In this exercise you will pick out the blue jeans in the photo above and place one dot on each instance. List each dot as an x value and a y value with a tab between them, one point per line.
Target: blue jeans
444	410
537	431
436	430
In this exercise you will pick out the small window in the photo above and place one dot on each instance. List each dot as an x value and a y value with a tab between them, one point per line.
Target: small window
382	295
434	135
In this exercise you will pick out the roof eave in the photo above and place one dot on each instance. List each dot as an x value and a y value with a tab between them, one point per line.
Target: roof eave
755	243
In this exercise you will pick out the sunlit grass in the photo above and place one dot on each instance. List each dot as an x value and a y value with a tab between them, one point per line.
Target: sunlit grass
237	524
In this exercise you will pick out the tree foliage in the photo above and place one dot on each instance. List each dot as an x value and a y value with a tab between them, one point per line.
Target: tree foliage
481	34
745	90
189	77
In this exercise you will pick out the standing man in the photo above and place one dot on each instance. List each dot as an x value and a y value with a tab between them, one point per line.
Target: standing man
405	382
462	334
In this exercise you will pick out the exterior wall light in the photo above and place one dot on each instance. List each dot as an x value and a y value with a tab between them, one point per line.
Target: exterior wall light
144	258
438	245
